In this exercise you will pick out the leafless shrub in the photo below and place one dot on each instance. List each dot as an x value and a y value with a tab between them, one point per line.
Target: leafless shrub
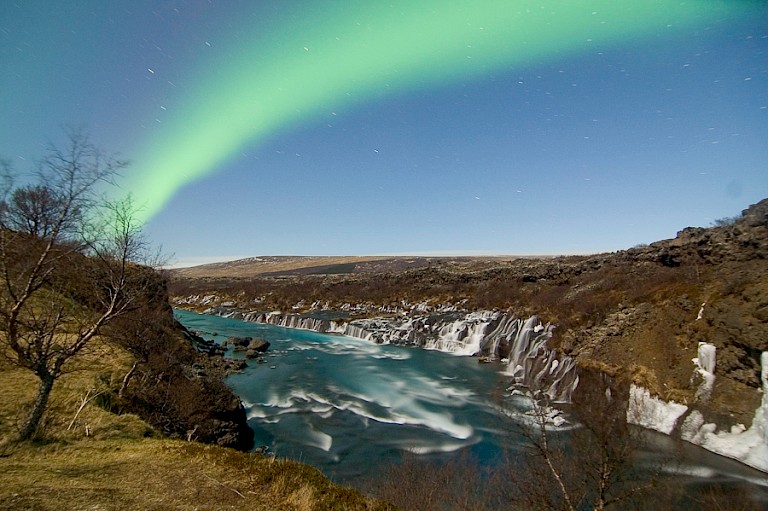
462	483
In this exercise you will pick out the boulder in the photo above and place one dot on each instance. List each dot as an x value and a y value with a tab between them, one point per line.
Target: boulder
233	365
238	341
258	345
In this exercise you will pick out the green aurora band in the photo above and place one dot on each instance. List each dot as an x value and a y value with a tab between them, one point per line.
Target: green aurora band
334	57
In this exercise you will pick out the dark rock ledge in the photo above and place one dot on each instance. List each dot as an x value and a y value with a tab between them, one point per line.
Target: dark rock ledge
179	389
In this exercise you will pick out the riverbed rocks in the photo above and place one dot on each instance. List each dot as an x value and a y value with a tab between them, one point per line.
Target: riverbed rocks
237	342
258	346
253	348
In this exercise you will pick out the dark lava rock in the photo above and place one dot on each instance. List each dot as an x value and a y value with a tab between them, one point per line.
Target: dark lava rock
258	345
239	341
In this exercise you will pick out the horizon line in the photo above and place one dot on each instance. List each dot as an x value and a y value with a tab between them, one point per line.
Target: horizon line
193	261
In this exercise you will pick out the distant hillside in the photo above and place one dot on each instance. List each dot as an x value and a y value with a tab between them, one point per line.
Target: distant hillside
640	312
283	266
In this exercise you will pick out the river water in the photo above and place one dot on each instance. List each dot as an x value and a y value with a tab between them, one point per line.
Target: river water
350	407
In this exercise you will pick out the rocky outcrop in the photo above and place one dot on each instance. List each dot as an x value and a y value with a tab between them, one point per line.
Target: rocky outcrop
177	384
734	239
256	348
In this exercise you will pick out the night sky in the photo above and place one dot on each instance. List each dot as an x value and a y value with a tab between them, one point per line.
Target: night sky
402	127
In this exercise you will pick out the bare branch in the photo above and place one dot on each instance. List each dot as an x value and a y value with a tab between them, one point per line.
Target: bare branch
595	467
65	262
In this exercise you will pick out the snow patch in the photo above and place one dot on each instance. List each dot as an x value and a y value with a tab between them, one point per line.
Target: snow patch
701	311
749	446
651	412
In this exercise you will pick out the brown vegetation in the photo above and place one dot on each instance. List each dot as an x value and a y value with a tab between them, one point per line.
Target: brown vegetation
636	308
86	457
177	389
65	265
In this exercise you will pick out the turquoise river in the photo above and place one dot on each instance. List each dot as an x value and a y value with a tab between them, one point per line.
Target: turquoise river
351	407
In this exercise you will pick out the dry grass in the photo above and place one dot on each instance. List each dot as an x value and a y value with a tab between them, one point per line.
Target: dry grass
90	374
259	266
162	474
116	462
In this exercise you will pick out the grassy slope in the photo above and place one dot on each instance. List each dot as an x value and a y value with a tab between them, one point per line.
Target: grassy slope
162	474
123	464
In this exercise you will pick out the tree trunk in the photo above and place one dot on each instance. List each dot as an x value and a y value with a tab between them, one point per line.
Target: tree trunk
43	393
127	379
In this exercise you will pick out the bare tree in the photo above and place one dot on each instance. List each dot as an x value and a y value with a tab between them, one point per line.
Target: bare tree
545	459
65	267
462	483
595	464
33	210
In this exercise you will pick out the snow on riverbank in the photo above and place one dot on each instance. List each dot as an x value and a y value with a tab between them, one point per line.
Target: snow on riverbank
651	412
749	446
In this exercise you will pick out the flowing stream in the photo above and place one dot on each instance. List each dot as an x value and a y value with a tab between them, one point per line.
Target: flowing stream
350	407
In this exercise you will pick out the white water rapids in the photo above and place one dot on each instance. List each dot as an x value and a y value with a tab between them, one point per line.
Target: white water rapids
350	406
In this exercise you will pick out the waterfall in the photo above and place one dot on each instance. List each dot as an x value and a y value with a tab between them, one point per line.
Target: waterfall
533	365
493	334
760	422
463	336
706	358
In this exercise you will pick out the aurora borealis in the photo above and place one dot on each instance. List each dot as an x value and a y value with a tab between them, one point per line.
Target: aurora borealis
201	95
314	64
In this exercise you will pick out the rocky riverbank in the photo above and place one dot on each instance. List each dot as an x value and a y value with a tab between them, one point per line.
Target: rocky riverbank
176	382
639	314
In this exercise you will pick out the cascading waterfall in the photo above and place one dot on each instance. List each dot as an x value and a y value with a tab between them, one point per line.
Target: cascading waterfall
760	421
535	366
492	334
705	364
462	336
